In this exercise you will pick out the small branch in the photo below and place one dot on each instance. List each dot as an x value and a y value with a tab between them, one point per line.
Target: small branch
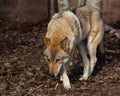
56	85
113	51
109	28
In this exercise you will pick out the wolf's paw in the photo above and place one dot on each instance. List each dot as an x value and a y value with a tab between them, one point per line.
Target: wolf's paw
66	83
61	79
67	86
83	78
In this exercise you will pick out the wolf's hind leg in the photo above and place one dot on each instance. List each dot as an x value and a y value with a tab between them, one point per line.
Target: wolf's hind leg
93	42
93	59
85	59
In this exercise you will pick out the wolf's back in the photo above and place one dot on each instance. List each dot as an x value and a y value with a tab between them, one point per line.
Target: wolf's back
95	3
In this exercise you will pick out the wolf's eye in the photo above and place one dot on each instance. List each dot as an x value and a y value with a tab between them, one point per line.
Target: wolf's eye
47	59
57	60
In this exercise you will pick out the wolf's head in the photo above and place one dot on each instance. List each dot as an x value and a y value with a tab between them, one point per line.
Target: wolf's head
56	56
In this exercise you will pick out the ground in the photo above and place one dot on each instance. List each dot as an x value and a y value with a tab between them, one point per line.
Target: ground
24	71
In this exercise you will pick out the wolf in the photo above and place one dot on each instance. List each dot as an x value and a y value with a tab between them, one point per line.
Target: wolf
67	31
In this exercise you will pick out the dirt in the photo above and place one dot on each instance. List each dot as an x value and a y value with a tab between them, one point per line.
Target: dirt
24	71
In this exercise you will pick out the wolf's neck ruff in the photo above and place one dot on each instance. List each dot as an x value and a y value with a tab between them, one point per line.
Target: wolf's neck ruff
63	25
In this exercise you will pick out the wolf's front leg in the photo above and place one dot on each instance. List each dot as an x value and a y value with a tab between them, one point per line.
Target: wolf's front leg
66	81
64	77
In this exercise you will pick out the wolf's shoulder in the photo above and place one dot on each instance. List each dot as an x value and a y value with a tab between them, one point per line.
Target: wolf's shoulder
62	14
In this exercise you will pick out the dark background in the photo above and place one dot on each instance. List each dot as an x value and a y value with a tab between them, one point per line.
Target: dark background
36	10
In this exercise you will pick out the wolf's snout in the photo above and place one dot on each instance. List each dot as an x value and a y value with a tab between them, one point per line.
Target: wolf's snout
52	75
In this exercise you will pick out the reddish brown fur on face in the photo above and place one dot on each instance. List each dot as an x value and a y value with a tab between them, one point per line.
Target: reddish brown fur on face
54	50
47	41
55	54
53	68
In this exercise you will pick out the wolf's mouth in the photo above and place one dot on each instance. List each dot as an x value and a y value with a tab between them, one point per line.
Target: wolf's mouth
59	70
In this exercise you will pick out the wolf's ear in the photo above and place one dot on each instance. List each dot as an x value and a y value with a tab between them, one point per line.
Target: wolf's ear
63	41
47	41
65	44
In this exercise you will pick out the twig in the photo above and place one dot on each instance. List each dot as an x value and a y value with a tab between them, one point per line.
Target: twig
109	28
38	87
56	85
113	51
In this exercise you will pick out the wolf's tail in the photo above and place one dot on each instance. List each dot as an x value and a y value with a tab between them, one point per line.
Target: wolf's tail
101	54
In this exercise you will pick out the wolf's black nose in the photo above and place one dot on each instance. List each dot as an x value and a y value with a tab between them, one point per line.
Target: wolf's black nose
52	75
